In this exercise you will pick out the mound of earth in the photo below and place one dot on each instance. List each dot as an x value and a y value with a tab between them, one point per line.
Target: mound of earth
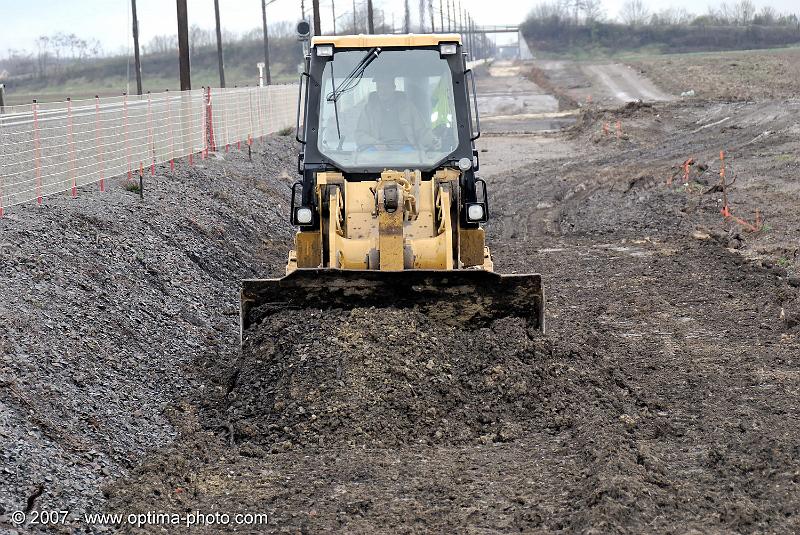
387	377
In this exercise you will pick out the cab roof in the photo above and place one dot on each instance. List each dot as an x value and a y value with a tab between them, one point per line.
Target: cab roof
386	40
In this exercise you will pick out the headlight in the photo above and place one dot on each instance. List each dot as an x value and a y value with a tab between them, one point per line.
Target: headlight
303	215
475	212
448	49
324	50
464	164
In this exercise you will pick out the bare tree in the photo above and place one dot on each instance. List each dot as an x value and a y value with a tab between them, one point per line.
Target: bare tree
230	36
634	13
284	29
592	10
724	15
95	48
743	12
197	38
72	43
42	55
672	16
767	17
59	42
20	62
82	46
551	11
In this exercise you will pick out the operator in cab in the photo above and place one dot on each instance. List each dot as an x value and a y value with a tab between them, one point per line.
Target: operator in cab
390	121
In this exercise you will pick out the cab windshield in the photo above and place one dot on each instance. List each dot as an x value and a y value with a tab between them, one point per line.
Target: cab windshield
399	113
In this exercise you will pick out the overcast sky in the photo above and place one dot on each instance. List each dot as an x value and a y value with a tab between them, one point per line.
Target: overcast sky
109	20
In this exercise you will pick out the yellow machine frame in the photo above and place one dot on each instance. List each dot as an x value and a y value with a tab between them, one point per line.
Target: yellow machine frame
369	41
397	222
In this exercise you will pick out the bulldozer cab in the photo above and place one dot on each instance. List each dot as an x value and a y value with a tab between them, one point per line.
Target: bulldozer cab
389	204
377	102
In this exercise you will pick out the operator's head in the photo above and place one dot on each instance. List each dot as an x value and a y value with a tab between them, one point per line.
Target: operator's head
385	86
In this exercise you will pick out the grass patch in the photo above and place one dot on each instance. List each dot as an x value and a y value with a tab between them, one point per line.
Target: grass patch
286	131
131	186
693	187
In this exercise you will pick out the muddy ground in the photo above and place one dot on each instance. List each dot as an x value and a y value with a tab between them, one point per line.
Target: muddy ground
662	399
734	75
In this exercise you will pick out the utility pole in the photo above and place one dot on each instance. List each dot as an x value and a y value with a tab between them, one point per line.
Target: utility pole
441	17
303	9
469	37
476	41
465	28
317	25
448	16
473	48
219	46
355	26
333	12
407	19
266	40
464	32
183	46
430	12
475	38
136	60
469	34
370	20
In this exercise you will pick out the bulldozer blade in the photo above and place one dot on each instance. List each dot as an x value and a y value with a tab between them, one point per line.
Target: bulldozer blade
462	297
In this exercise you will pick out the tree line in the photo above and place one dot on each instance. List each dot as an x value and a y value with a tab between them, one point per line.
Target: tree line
61	55
570	24
54	54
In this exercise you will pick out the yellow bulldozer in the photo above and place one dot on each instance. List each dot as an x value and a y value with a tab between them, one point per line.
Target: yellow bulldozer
389	205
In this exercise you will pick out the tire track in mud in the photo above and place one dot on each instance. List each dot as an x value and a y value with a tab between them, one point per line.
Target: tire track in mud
623	84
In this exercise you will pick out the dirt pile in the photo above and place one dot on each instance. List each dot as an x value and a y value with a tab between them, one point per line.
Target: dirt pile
540	78
387	377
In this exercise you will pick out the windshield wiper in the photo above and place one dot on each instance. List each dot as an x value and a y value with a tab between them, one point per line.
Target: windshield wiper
349	83
352	79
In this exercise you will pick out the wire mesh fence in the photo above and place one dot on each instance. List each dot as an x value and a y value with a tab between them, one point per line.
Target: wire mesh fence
49	148
240	114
